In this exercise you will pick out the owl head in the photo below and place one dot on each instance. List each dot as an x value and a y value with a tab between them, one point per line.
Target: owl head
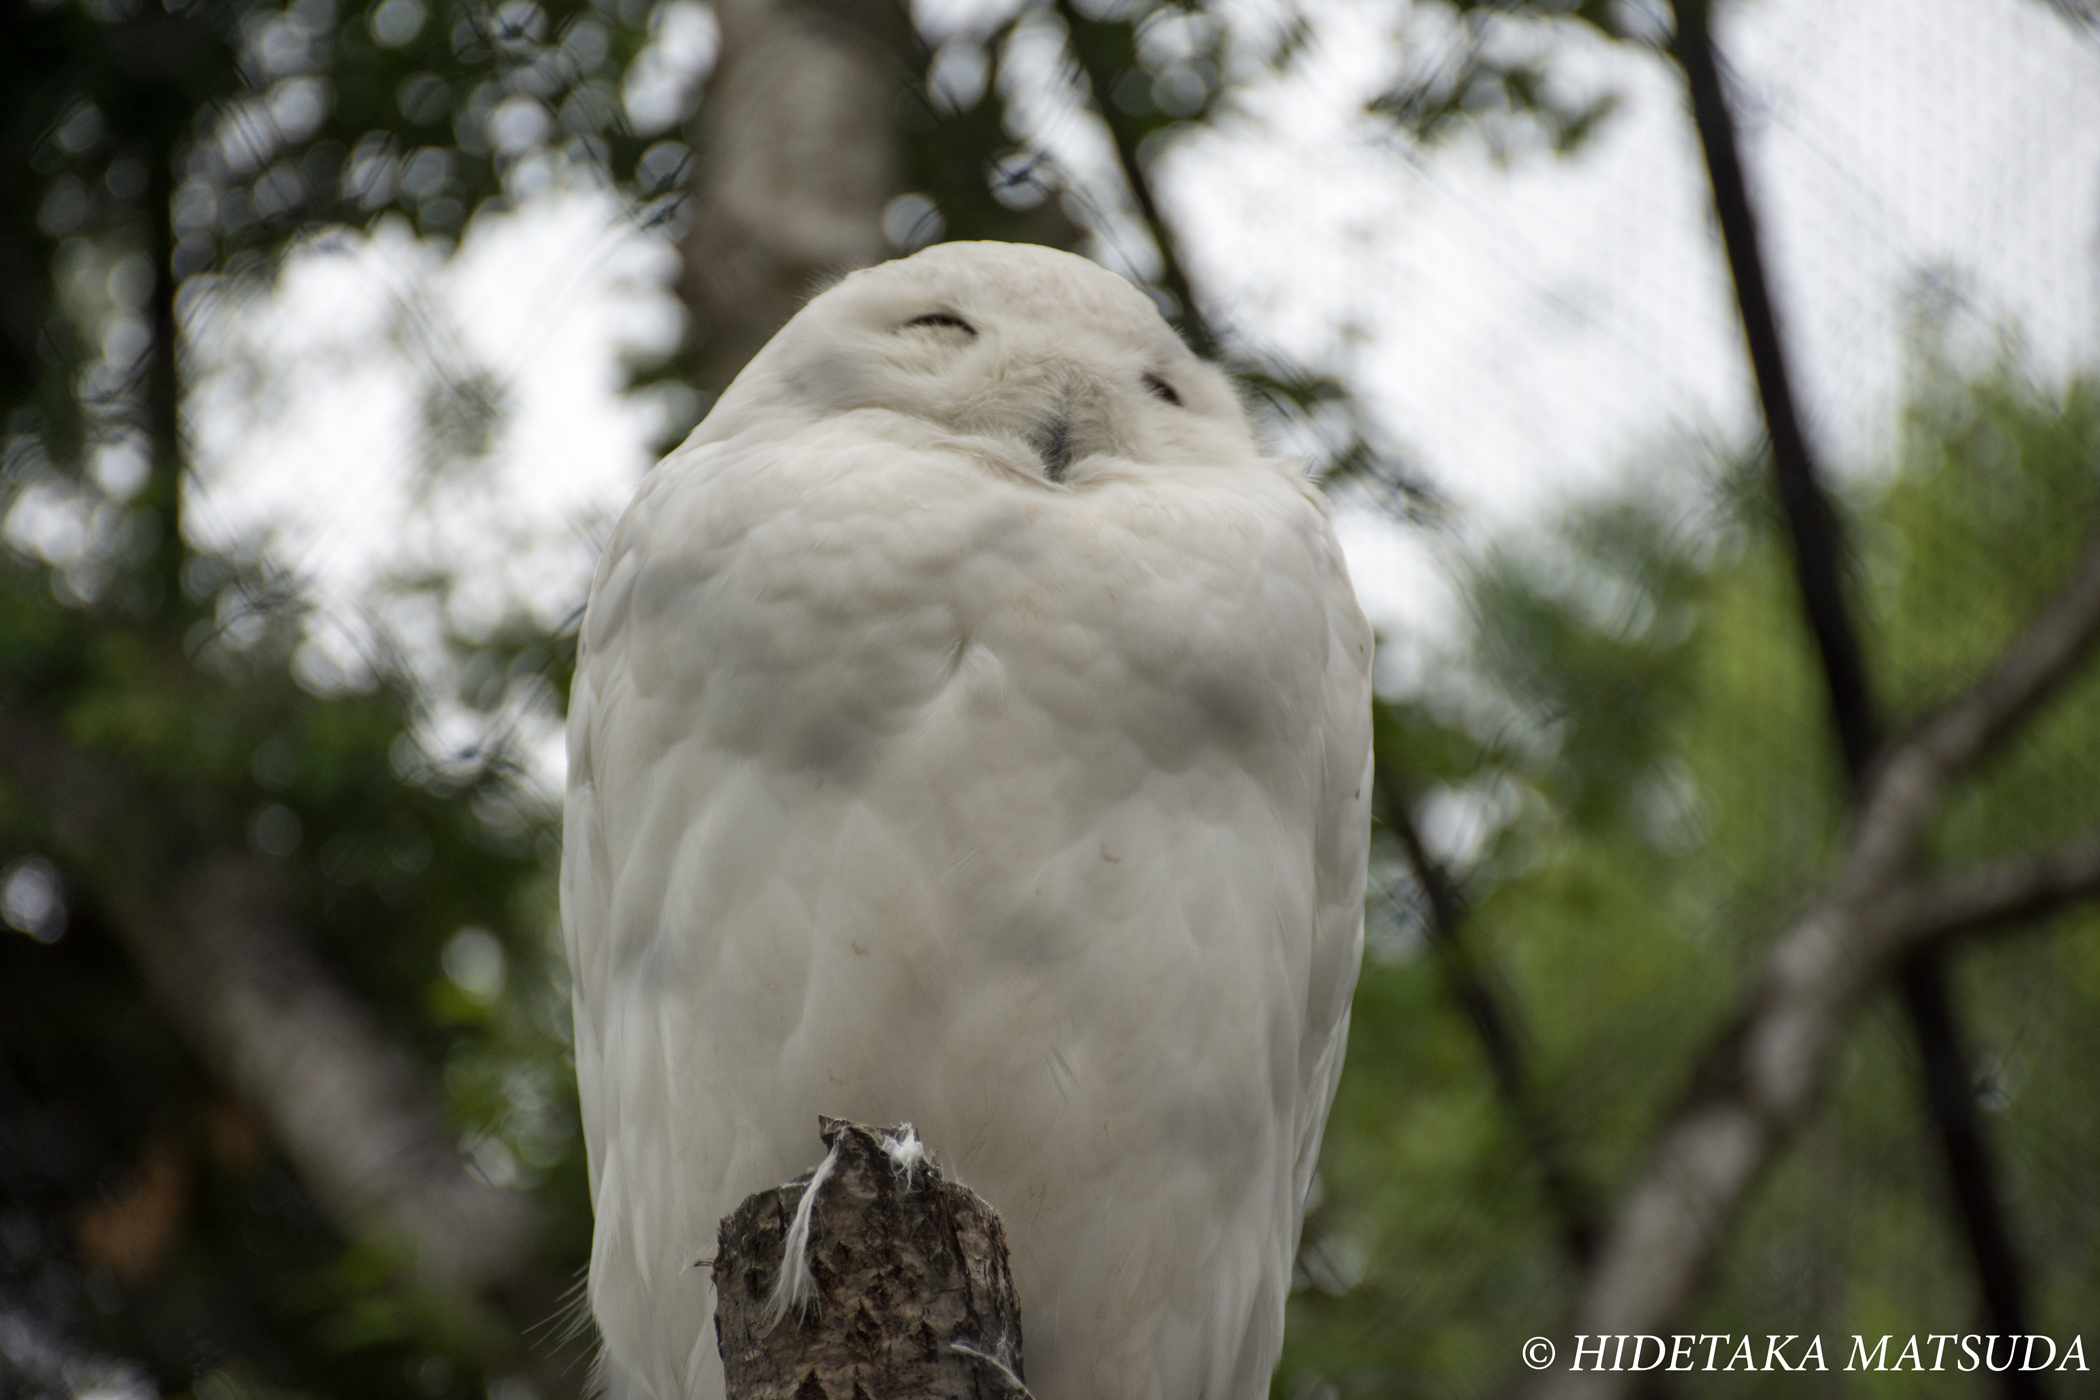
1039	362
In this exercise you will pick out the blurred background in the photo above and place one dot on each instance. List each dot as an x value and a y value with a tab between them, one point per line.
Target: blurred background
334	335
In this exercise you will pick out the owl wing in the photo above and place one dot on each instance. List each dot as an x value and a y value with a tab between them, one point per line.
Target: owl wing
1340	857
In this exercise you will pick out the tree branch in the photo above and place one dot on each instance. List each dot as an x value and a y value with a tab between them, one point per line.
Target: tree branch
163	373
1499	1041
1760	1082
1761	1079
1817	546
1101	79
1904	790
224	964
1811	524
1997	892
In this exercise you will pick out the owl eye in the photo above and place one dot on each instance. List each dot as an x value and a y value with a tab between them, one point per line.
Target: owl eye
1161	389
941	318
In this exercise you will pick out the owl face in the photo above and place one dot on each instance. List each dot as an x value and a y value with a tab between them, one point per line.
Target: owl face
1038	362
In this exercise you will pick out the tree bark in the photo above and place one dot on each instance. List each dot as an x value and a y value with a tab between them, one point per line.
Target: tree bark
796	157
907	1290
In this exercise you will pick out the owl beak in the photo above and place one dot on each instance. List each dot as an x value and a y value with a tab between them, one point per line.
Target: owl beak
1053	443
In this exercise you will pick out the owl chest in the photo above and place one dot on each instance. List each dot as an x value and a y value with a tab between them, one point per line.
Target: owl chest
990	650
872	614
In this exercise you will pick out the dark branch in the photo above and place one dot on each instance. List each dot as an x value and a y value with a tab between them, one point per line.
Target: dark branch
1101	78
1812	527
1950	1101
163	389
1811	524
1999	892
1470	988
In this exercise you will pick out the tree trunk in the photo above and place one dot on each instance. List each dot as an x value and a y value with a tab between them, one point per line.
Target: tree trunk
905	1290
796	156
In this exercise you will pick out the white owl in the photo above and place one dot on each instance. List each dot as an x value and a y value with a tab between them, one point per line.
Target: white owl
972	728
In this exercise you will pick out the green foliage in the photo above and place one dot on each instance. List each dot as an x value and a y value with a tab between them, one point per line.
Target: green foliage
423	881
311	114
1350	454
144	1211
1642	709
1166	63
143	145
959	154
1498	71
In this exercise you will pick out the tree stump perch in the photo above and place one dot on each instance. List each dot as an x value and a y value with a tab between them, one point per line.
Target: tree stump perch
910	1296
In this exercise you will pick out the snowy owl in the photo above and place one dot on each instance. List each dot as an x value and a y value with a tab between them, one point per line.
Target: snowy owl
971	727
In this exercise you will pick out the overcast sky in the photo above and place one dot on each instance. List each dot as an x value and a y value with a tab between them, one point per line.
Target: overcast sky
1521	330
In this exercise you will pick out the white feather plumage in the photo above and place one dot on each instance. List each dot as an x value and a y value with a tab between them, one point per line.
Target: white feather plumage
964	733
